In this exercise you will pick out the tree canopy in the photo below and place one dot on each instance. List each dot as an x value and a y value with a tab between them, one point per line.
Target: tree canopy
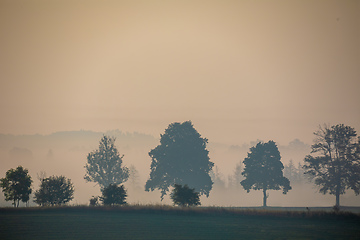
264	170
104	165
16	185
181	158
185	196
54	190
335	163
113	195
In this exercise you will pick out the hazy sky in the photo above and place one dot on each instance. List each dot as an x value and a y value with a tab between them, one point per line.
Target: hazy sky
240	70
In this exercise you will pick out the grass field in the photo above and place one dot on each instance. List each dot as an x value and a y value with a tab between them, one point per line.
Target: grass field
164	222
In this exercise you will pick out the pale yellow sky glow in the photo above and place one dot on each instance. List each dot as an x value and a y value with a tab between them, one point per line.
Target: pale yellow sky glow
240	70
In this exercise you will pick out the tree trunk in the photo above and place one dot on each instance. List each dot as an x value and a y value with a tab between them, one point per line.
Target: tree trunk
337	193
337	199
265	198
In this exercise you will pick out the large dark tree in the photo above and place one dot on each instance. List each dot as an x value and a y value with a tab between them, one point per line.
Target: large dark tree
113	195
181	158
335	163
104	164
185	196
264	170
54	190
16	185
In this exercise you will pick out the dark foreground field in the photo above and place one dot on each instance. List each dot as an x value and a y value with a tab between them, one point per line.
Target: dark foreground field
174	223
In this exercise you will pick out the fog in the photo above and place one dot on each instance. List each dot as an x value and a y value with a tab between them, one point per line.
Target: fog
239	70
64	153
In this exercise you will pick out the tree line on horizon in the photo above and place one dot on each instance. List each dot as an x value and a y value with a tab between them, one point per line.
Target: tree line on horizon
181	166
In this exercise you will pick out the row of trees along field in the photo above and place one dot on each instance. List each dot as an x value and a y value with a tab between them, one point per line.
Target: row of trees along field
181	164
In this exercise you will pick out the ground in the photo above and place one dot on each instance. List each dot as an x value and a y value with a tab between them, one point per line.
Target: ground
174	223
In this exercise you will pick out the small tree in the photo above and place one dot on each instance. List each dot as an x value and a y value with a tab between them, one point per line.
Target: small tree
291	172
133	177
218	178
336	164
235	179
16	185
113	195
185	196
104	164
54	190
264	170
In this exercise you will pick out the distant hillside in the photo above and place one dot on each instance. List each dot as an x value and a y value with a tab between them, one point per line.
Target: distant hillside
72	138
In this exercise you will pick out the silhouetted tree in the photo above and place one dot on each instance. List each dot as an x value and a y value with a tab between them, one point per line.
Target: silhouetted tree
54	190
217	178
185	196
104	164
290	171
300	173
336	164
293	173
133	176
264	170
236	178
181	158
16	185
94	201
113	195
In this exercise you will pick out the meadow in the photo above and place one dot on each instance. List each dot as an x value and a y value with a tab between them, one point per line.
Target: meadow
166	222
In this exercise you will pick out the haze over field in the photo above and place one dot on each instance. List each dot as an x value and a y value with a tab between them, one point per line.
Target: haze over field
64	153
239	70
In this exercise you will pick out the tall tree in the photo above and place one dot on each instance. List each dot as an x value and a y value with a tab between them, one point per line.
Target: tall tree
104	165
54	190
335	163
181	158
16	185
264	170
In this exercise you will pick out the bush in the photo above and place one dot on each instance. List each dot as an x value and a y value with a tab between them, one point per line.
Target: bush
113	195
185	196
54	190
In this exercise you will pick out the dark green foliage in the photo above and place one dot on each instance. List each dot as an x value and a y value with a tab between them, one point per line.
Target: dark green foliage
335	163
16	185
185	196
104	164
180	158
113	195
264	170
54	190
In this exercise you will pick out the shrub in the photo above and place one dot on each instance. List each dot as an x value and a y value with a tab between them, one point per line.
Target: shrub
113	195
185	196
54	190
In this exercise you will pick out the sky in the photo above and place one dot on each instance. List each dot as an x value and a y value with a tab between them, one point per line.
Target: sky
240	70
